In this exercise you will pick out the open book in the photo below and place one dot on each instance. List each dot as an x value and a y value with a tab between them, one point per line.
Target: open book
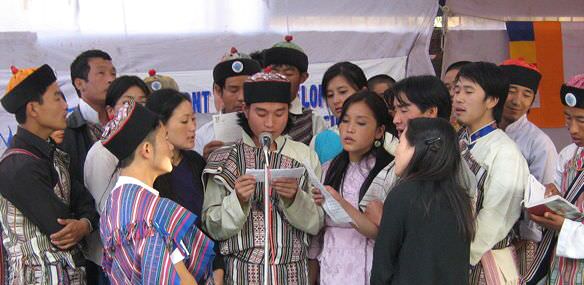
555	204
537	204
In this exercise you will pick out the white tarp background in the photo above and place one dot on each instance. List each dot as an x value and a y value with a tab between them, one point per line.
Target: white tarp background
186	39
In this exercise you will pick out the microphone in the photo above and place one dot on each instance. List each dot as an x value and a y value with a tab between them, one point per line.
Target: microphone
265	139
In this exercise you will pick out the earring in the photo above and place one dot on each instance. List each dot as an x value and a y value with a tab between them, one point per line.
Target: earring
377	143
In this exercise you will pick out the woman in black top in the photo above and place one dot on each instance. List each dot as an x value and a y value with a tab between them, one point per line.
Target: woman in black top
427	225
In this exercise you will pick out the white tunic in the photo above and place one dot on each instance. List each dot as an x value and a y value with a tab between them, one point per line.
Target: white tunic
503	189
100	176
537	148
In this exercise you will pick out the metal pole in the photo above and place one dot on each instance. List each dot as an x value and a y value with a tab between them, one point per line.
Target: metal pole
266	218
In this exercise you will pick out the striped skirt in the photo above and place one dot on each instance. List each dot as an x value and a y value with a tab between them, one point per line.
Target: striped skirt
238	272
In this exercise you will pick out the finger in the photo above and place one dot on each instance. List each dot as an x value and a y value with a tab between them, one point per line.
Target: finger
61	242
287	185
250	188
216	143
246	178
330	189
551	216
60	234
67	245
285	180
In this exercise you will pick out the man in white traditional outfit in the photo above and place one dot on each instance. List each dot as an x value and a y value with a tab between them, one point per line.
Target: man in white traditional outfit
228	78
233	210
500	169
565	264
537	147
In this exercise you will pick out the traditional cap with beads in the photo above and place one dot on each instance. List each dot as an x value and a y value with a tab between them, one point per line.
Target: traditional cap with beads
235	63
266	86
25	84
131	124
156	81
287	52
572	93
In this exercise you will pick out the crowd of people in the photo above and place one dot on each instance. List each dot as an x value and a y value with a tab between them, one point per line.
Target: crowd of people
431	172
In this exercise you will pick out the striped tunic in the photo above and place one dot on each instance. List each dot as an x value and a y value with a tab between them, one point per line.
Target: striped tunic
32	258
140	230
566	270
244	250
301	128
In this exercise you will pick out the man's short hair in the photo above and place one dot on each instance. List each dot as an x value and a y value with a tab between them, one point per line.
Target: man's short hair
457	65
380	78
491	79
80	66
425	92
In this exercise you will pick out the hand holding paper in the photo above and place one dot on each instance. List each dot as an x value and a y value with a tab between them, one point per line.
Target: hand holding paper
331	206
295	173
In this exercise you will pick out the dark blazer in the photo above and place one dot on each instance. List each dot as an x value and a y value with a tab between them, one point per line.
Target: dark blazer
77	143
196	164
28	183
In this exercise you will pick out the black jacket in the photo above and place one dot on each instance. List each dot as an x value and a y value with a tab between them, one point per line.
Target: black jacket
77	143
196	164
28	182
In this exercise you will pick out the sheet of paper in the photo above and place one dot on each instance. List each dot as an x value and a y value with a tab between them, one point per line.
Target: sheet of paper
332	208
535	191
226	128
276	173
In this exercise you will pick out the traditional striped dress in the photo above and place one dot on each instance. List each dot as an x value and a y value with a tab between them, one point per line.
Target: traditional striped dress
140	230
566	270
32	258
244	252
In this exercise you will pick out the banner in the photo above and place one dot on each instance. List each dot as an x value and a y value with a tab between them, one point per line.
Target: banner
199	83
540	43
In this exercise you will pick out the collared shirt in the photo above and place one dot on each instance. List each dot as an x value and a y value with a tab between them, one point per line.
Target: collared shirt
296	106
88	113
131	180
483	131
537	148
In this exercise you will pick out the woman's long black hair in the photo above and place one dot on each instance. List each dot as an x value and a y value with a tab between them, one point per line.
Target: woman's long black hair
435	141
338	166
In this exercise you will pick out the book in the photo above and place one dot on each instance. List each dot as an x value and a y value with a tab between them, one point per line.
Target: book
555	204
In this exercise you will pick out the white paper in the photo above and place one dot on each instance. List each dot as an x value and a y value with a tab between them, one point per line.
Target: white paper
331	206
226	127
534	193
276	173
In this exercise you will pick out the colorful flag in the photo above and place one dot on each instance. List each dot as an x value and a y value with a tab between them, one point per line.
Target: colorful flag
540	43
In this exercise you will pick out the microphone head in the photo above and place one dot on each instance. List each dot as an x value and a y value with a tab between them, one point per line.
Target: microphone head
265	139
